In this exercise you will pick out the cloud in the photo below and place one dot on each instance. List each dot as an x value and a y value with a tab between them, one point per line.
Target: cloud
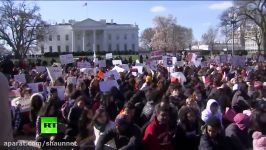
221	5
158	9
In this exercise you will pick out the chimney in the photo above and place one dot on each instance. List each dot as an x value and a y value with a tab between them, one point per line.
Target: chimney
112	21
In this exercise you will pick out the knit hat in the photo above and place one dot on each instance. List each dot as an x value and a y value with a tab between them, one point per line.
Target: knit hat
121	120
242	121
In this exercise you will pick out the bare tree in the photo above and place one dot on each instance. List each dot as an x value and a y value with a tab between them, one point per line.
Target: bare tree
209	37
146	38
21	26
170	36
254	11
255	35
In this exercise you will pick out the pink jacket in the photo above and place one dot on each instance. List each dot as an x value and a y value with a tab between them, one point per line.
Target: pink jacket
259	141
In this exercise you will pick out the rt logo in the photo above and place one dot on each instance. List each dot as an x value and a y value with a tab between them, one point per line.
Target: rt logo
48	125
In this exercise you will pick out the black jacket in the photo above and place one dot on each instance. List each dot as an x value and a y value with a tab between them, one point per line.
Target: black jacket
218	143
240	138
130	141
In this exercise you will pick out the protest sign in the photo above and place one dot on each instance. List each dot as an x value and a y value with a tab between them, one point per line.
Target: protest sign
117	62
23	102
36	87
20	78
125	67
139	68
223	59
156	55
105	86
54	72
102	63
109	56
119	69
167	61
66	59
112	73
60	91
180	76
84	64
88	71
72	80
40	69
238	60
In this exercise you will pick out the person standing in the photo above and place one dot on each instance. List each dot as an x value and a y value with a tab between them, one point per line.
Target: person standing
5	115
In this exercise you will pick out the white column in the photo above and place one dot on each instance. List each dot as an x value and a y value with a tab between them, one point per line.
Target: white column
94	41
73	40
104	41
83	41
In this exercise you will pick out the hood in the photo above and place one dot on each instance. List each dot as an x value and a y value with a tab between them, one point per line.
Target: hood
209	103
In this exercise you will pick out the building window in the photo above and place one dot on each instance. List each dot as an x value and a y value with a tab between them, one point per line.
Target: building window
67	48
125	47
98	47
50	38
110	47
117	37
42	49
67	37
109	36
50	49
59	49
117	47
125	36
133	47
58	37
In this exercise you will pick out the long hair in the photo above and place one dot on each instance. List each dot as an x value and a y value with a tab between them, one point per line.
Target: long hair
84	121
46	107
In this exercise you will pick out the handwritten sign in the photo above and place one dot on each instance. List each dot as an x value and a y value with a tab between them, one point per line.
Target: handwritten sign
66	59
139	68
109	56
20	78
40	69
60	91
24	104
36	87
54	72
105	86
84	64
157	55
119	69
88	71
117	62
125	67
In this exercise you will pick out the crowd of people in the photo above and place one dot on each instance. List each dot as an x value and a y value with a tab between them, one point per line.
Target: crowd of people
218	107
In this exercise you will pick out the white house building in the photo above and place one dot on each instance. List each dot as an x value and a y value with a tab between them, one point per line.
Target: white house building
90	35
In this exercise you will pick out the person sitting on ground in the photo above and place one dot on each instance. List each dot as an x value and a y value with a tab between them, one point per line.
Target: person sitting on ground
157	134
124	136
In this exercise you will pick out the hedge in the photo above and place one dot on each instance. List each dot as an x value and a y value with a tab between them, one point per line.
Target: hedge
56	54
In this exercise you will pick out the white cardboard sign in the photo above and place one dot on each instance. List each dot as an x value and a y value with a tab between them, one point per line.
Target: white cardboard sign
117	62
109	56
66	59
105	86
20	78
54	72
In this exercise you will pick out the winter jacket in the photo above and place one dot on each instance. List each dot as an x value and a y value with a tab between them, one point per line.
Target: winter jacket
259	141
218	143
110	125
240	138
128	141
157	137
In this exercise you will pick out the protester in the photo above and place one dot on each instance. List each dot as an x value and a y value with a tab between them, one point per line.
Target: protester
156	135
212	109
124	135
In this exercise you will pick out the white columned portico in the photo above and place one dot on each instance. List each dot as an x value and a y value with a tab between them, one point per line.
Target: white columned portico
94	41
104	41
83	41
73	41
